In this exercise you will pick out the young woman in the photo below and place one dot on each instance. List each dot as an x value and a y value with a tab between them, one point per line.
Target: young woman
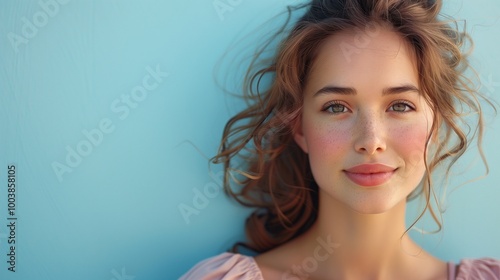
366	102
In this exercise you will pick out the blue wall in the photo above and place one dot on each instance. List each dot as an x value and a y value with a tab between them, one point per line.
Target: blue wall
109	110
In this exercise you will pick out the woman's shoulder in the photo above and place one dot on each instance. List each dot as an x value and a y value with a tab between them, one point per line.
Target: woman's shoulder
225	266
483	268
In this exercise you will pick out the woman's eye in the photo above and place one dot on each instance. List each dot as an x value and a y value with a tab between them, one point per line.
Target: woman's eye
401	107
335	108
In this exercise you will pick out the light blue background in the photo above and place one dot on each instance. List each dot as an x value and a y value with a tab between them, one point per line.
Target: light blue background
117	213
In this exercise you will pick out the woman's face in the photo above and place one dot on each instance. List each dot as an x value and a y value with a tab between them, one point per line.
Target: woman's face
364	122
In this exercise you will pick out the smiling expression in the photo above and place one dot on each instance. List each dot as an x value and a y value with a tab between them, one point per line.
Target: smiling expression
365	122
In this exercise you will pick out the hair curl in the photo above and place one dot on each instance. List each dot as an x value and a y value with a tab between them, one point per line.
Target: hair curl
258	151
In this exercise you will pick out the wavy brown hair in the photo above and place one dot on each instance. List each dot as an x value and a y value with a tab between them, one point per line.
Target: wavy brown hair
264	167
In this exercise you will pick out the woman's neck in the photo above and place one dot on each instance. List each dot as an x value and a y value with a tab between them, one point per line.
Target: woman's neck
349	245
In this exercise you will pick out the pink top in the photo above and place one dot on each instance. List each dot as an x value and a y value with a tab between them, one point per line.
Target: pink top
229	266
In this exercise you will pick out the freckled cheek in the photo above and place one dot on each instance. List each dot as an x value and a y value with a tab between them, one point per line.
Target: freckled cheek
409	142
327	139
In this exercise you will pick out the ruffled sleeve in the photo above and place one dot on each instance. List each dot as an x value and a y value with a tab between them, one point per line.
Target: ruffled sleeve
485	269
226	266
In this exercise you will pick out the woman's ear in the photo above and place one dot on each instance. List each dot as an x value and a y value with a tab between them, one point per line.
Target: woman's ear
298	135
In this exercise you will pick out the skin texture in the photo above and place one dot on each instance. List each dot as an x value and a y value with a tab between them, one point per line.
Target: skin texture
383	119
369	126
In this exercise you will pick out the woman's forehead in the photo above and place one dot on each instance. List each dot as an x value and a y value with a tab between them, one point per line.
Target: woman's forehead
347	59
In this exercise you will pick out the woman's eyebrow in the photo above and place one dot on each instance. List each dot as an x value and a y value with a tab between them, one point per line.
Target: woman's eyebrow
352	91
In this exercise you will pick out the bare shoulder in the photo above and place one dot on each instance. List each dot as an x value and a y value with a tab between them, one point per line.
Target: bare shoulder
433	268
439	270
274	264
271	265
278	263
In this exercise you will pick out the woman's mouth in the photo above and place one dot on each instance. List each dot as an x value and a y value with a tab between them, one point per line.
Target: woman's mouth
370	175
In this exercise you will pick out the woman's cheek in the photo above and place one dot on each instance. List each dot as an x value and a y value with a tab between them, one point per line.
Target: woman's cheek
327	140
409	141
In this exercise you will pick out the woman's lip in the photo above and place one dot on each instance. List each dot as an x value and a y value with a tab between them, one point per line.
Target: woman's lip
369	179
370	175
370	168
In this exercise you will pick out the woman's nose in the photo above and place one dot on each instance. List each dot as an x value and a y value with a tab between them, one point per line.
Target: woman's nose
369	134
